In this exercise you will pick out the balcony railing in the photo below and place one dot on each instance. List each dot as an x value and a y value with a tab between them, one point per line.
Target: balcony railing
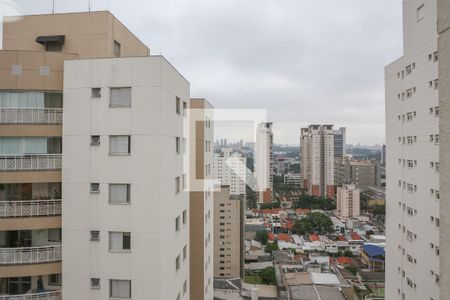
53	295
30	255
33	162
34	208
31	115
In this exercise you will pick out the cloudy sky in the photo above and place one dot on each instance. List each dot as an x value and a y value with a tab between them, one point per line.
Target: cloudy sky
315	61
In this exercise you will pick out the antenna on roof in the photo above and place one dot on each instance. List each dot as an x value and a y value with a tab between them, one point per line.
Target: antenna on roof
90	5
53	6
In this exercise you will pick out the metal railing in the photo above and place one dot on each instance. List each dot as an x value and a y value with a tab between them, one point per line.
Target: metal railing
34	208
53	295
31	115
30	255
34	162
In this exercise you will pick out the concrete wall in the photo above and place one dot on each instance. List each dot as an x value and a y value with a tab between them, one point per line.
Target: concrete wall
150	169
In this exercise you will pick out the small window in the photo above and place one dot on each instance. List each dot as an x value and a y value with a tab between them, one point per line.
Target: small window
177	184
420	12
120	289
119	241
53	46
185	287
177	224
55	279
177	263
119	144
184	108
117	49
95	188
177	145
95	140
96	93
184	252
95	283
119	193
184	217
177	105
95	235
120	97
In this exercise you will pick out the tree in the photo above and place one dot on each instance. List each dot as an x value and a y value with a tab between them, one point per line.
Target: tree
268	275
271	247
348	253
312	202
315	222
270	205
262	237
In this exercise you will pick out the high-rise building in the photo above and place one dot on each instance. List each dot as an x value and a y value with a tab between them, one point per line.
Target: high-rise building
340	140
317	160
201	200
347	204
228	234
412	159
443	12
230	168
263	162
31	116
362	173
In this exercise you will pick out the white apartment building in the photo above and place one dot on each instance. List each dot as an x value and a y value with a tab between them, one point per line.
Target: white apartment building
263	162
412	159
347	203
229	168
125	213
317	160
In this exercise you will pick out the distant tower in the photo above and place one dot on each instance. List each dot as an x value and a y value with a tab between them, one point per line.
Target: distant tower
264	162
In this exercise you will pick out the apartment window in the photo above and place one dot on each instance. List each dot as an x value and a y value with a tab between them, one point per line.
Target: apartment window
94	188
184	217
55	279
119	145
178	297
95	140
184	182
184	252
95	236
435	56
177	184
184	108
95	283
117	49
96	92
436	111
120	97
119	193
119	241
120	288
177	145
178	105
54	235
177	263
177	224
185	287
420	12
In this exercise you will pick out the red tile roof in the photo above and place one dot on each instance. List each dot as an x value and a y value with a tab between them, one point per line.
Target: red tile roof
302	210
284	237
355	236
314	237
271	236
342	238
344	260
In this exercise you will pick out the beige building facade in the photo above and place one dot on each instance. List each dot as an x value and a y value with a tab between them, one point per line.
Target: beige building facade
228	234
348	201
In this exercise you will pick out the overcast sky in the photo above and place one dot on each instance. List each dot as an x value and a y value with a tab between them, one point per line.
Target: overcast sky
315	61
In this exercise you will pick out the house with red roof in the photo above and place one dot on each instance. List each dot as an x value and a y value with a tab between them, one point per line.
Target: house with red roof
284	237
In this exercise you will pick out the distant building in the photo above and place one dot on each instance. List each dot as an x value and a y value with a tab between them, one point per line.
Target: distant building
292	178
264	162
347	205
229	168
228	234
362	173
383	155
340	140
317	160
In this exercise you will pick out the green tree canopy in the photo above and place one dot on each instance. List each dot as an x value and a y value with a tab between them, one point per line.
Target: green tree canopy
268	275
262	236
314	222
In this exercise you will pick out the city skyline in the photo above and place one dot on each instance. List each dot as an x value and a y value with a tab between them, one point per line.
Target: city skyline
287	76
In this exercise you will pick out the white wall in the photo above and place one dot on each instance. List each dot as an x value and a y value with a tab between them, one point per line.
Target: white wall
150	170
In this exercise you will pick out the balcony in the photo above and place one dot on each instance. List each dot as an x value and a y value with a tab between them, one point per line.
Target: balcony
30	255
52	295
34	208
31	115
35	162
